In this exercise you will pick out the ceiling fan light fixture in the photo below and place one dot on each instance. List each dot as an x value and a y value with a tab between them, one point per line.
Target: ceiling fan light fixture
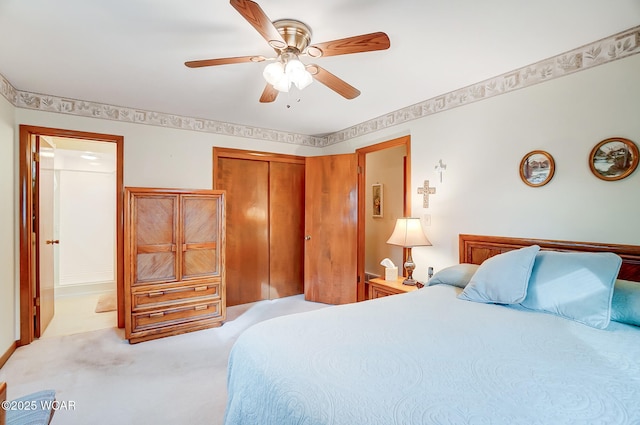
297	73
293	68
273	72
291	38
283	84
303	80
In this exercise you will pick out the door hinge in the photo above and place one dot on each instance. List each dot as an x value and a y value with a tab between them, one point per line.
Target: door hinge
358	281
359	169
36	301
36	157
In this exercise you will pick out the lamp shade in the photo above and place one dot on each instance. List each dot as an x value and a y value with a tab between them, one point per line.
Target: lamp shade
408	233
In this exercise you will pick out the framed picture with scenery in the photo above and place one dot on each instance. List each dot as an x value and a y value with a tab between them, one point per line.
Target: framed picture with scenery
614	158
537	168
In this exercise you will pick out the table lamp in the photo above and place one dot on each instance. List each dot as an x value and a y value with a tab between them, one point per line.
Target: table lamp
407	234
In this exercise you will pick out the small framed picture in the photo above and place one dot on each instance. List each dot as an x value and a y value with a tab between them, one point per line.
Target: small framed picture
537	168
377	200
613	159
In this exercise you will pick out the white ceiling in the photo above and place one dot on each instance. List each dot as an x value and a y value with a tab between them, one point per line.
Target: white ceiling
131	53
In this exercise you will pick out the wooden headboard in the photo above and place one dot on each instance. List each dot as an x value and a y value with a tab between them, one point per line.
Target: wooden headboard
475	249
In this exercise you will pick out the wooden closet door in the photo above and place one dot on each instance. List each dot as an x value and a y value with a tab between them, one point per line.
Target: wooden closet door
201	223
331	225
247	214
155	218
286	229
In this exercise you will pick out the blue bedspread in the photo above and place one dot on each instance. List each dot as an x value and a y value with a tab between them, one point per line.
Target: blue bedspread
427	357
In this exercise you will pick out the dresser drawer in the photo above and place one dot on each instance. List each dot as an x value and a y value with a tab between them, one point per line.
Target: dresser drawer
377	292
166	296
176	315
382	288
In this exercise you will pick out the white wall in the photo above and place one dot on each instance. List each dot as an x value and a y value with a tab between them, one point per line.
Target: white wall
87	227
161	157
483	143
8	205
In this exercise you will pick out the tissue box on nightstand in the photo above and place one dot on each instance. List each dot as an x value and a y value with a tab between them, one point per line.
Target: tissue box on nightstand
391	273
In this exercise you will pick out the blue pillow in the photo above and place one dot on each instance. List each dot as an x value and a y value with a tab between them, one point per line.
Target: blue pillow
574	285
502	279
457	275
625	306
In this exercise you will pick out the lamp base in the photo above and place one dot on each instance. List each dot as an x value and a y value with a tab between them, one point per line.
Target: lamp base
409	267
409	281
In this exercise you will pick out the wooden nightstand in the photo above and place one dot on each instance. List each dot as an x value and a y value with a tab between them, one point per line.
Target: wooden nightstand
381	288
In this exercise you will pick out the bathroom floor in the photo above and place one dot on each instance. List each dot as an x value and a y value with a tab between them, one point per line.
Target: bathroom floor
76	314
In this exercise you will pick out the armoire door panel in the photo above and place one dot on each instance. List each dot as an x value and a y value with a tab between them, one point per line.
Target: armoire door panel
155	238
247	249
155	220
200	233
156	266
200	220
286	229
199	262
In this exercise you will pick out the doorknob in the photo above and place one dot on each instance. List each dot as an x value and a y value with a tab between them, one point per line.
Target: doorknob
307	238
51	242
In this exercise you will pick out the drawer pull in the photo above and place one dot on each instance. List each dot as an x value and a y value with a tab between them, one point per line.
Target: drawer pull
154	315
156	294
200	288
201	307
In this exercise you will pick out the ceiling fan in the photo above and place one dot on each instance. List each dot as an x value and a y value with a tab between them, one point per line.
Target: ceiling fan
291	39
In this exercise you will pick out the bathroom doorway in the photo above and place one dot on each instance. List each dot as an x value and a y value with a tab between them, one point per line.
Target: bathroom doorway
82	174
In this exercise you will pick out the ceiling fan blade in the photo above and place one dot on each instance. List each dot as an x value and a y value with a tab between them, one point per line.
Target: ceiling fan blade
269	94
336	84
224	61
345	46
254	14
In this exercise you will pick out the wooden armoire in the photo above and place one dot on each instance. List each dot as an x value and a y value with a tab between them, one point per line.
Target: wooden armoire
174	261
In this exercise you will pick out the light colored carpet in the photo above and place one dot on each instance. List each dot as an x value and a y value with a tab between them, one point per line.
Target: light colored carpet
174	380
106	302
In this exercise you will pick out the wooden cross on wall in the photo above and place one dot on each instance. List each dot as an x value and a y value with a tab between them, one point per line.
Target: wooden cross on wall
425	191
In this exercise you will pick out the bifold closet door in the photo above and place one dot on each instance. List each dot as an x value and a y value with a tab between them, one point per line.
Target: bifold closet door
247	255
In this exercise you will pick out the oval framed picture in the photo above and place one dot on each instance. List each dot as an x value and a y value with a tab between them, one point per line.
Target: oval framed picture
613	159
537	168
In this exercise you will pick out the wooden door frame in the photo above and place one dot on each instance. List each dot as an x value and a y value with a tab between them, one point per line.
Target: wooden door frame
26	213
362	162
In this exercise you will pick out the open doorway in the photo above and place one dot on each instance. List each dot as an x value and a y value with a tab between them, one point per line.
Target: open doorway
72	180
84	232
386	172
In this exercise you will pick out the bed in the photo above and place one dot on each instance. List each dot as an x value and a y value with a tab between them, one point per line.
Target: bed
430	357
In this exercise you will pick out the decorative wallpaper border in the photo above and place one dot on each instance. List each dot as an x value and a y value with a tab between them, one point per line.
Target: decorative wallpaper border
617	46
